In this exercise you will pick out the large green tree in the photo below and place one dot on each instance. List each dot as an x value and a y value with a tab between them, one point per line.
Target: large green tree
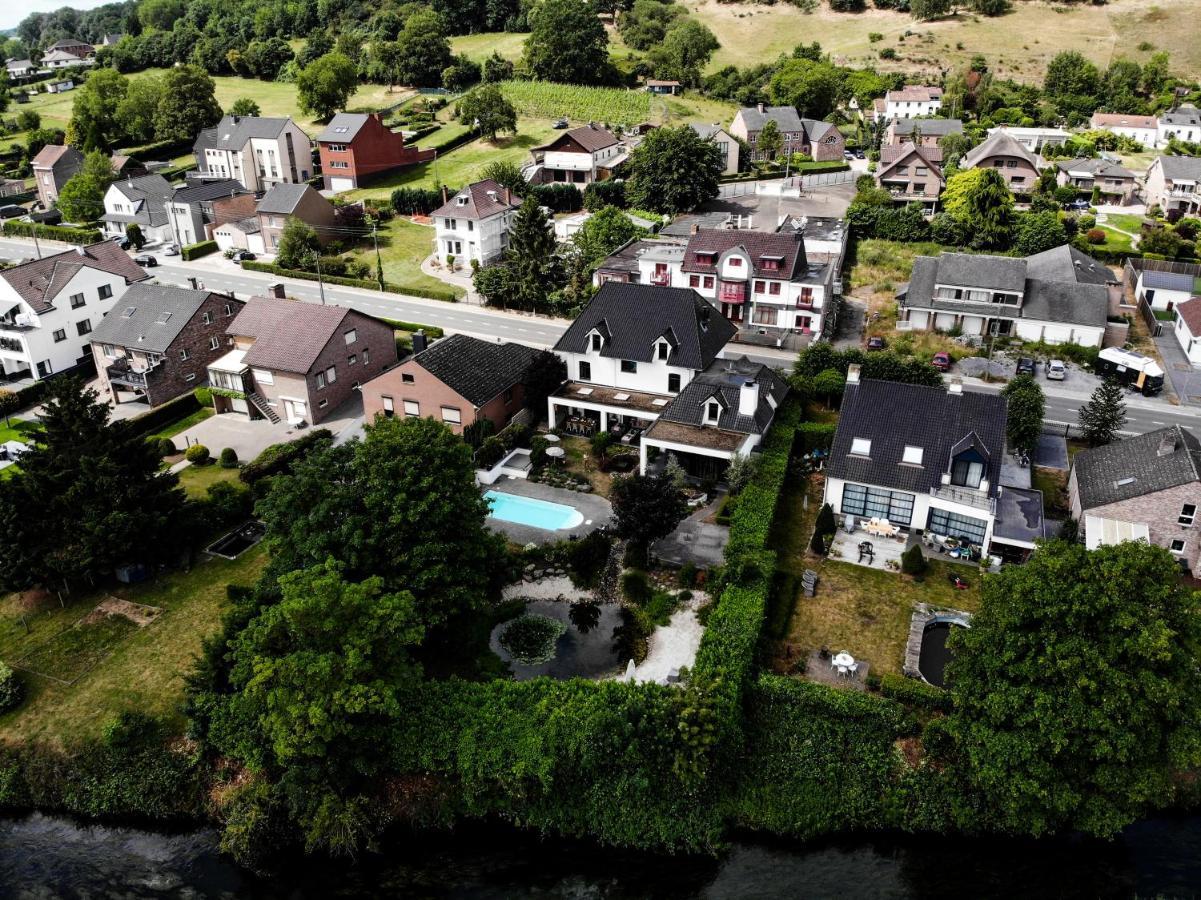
603	232
324	86
1035	232
82	197
567	43
531	269
812	86
297	244
487	109
673	170
189	104
1025	407
422	50
647	507
645	24
1104	415
137	111
95	123
980	200
684	52
1078	689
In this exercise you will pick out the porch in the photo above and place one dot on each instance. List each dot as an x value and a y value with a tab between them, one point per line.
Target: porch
584	409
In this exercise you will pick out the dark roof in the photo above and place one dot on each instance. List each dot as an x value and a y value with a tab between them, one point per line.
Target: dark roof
590	137
343	127
933	127
38	282
787	247
893	416
52	154
1066	301
476	370
634	316
1095	167
1184	115
288	335
724	379
149	317
152	191
998	273
1066	263
1180	168
205	139
785	117
1019	515
1134	467
232	132
1168	281
481	200
283	198
198	192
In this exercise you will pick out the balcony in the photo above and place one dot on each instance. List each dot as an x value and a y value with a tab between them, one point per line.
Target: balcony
966	496
1183	194
6	325
12	345
662	279
122	374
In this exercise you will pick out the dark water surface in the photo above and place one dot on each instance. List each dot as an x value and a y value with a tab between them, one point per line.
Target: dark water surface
47	857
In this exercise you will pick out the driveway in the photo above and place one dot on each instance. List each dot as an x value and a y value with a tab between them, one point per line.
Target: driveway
247	437
1182	378
695	541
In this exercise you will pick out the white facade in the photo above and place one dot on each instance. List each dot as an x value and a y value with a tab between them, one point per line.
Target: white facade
1034	139
117	204
904	108
1025	328
1190	343
230	237
56	339
182	225
647	377
1148	136
1159	297
1180	125
263	162
483	240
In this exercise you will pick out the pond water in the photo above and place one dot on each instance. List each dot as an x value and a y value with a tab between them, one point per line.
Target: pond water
586	649
45	857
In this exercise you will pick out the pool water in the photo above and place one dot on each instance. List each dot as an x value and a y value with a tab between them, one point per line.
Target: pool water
535	513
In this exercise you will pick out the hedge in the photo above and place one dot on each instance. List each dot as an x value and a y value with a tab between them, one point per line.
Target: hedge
816	435
431	331
914	692
449	295
448	144
197	250
155	420
280	457
165	149
14	228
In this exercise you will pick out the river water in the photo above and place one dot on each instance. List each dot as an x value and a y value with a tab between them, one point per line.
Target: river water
47	857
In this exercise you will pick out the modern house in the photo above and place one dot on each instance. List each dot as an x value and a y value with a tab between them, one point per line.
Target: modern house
52	168
355	147
1182	123
912	101
297	361
1171	184
1033	138
820	140
923	132
158	342
240	234
141	201
1116	183
457	380
256	151
52	304
725	143
579	156
197	207
1146	488
294	201
981	295
1168	287
912	173
641	261
474	224
1003	152
1144	129
1188	329
924	458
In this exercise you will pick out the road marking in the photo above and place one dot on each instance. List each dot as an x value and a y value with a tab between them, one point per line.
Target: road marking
1157	422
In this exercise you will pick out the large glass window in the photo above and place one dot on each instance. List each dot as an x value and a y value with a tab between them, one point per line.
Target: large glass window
880	503
967	472
954	525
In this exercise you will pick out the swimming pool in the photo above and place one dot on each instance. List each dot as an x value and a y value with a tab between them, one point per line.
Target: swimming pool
535	513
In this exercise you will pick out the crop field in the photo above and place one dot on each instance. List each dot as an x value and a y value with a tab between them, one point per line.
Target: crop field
541	99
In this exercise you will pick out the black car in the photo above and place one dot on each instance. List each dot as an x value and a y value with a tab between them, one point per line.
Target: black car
858	154
1026	366
11	211
1079	204
560	123
121	241
146	260
243	254
876	343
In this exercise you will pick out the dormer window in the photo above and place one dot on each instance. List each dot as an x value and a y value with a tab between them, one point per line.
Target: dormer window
967	471
461	201
706	257
861	447
770	263
712	412
912	456
662	350
594	342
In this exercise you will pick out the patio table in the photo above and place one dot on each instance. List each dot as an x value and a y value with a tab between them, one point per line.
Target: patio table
843	661
551	438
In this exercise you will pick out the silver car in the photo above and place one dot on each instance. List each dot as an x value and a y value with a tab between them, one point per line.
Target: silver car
1056	370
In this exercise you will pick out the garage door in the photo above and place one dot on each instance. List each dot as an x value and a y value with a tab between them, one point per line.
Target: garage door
341	184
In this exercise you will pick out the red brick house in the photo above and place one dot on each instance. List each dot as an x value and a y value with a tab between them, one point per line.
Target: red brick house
356	146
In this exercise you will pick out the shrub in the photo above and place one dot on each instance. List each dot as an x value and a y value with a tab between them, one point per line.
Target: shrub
197	250
279	458
913	561
531	639
1095	236
491	451
229	458
12	691
203	396
686	577
636	587
587	558
915	693
166	447
14	228
448	294
197	454
160	417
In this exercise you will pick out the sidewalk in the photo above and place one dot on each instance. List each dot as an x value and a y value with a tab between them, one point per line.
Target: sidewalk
461	279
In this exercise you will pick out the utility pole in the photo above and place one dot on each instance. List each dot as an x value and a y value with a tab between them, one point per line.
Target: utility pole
437	180
379	266
320	283
34	231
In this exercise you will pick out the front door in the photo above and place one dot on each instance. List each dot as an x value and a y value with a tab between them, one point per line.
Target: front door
732	311
294	410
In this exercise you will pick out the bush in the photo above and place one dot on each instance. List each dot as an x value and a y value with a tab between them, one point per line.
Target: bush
915	693
14	228
197	454
531	639
913	561
491	451
160	417
1095	236
12	691
204	396
166	447
600	194
586	559
195	251
229	458
279	458
226	505
636	587
686	577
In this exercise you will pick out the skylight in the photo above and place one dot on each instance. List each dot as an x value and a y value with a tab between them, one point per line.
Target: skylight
341	129
129	311
912	455
861	447
164	318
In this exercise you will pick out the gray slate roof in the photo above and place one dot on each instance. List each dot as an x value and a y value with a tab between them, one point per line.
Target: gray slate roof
1064	301
200	191
1066	263
634	316
1134	468
152	191
893	416
1181	168
476	370
1184	115
934	127
283	198
232	132
343	127
149	317
724	379
1000	273
785	117
1095	167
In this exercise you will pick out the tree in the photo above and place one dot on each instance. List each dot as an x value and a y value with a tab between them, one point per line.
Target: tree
913	561
822	529
684	52
244	106
812	87
10	402
460	74
645	25
324	86
542	378
1070	74
603	232
487	109
647	507
1025	407
673	170
980	200
136	112
133	231
567	43
926	10
1104	415
264	59
496	68
101	496
1038	231
189	104
829	383
1077	688
95	124
506	174
160	14
769	142
423	50
297	244
82	197
532	268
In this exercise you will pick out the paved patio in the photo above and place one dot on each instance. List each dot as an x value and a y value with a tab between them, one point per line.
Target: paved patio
823	672
846	548
695	540
248	437
597	511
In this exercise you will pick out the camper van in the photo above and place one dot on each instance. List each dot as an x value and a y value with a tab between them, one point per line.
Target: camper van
1136	371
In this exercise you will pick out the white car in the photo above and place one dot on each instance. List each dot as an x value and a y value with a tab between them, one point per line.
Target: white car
1056	370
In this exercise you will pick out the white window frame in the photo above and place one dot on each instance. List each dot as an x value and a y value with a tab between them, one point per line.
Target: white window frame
452	415
412	409
1186	518
912	455
861	447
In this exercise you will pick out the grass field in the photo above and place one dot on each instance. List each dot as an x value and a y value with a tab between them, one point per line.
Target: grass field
146	668
184	424
403	244
479	47
196	480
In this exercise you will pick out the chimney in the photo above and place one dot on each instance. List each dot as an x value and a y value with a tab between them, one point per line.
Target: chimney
277	290
853	373
955	386
419	342
236	119
760	107
748	398
694	228
508	196
444	197
1167	444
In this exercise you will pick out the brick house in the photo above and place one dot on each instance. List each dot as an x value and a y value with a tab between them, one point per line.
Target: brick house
157	343
287	201
1115	182
52	168
297	361
1005	153
458	380
923	132
812	137
357	146
912	174
1143	488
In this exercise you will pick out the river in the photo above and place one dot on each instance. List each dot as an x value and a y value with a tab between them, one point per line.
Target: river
48	857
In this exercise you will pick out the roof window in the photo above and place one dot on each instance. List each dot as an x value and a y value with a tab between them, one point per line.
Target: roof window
912	455
861	447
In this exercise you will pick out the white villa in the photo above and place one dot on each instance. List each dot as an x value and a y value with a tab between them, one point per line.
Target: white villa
474	224
256	151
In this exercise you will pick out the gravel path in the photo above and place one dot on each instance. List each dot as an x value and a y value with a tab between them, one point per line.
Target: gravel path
674	645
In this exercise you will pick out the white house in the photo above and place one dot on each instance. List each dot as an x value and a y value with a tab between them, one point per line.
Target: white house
53	303
256	151
1033	139
1182	123
726	145
243	234
580	156
142	201
475	223
198	204
1171	184
1165	289
1144	129
1188	329
912	101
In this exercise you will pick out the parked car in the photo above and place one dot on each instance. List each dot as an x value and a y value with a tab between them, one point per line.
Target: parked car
560	123
146	260
942	361
171	250
1026	366
848	154
243	254
1056	370
121	241
859	154
1079	204
11	212
876	343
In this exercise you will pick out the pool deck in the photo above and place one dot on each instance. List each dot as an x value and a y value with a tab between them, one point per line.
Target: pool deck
596	511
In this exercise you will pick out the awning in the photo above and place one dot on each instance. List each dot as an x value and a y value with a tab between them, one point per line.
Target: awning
1101	532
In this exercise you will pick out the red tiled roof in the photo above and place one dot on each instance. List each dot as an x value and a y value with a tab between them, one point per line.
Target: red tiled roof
1190	311
484	198
788	247
1102	120
590	137
894	152
38	282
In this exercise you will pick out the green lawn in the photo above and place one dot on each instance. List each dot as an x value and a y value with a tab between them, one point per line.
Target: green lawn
196	480
403	244
1115	241
145	670
1125	222
480	46
183	424
22	430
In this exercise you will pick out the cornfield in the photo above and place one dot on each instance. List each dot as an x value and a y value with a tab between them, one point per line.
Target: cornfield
544	99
